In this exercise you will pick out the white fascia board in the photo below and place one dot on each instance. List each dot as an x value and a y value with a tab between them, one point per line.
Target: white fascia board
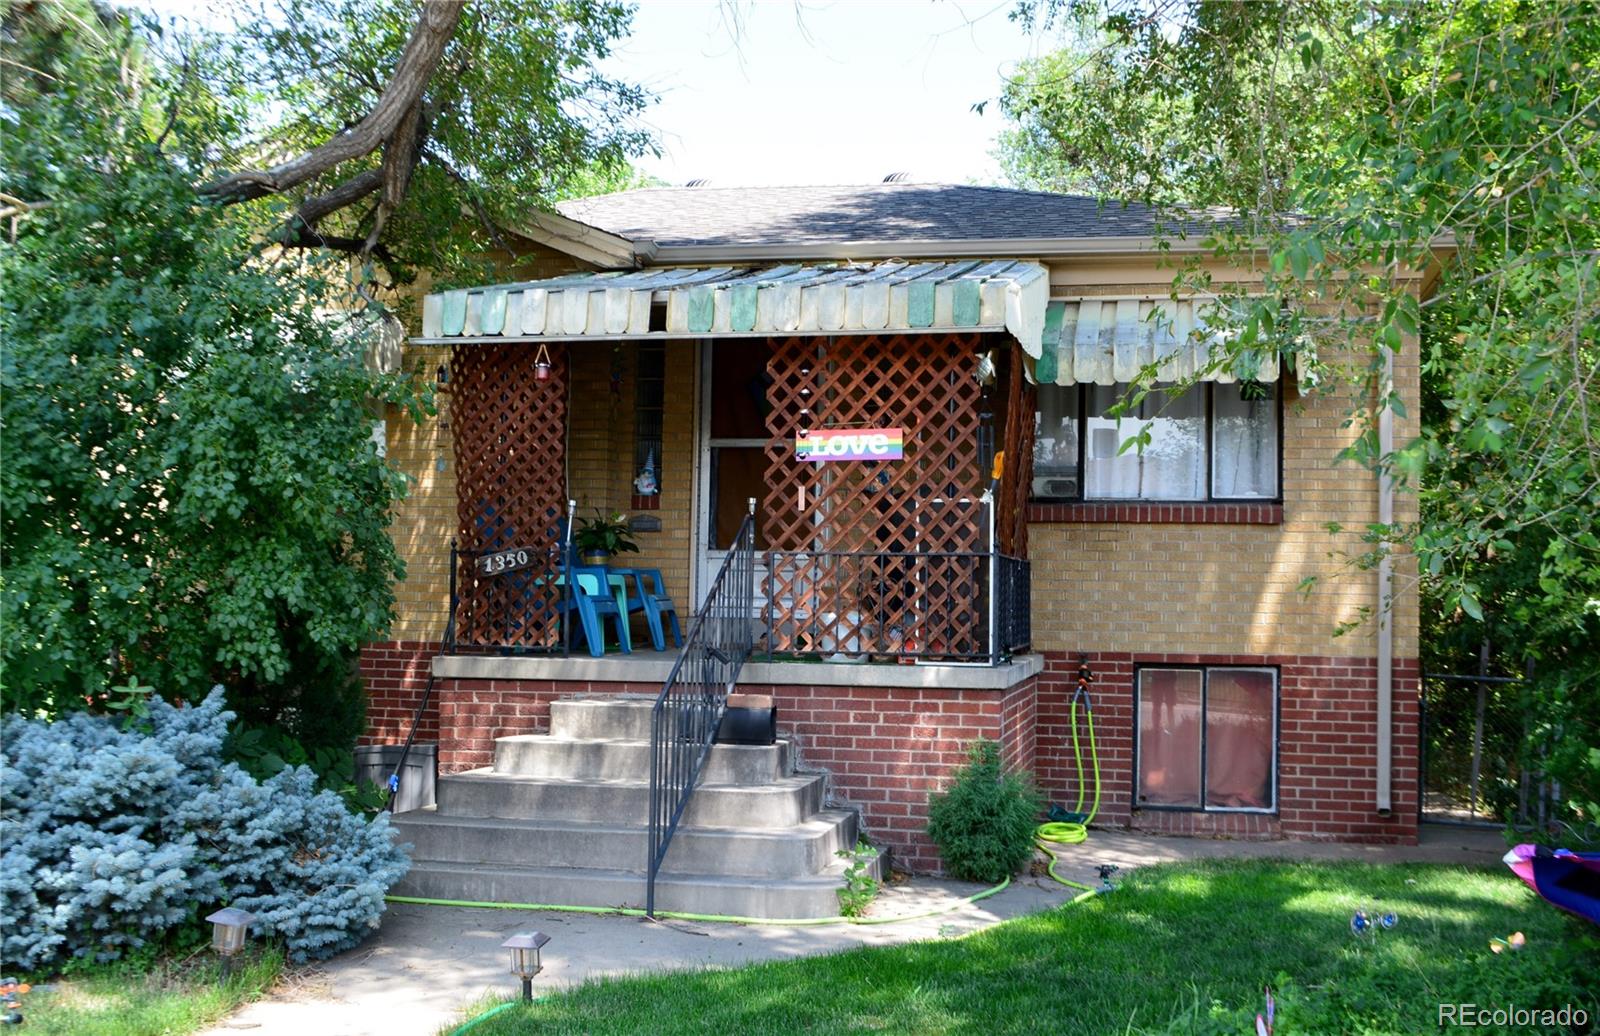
582	241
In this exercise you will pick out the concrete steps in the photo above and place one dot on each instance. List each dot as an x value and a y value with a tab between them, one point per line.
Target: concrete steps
540	755
562	819
486	793
814	895
805	848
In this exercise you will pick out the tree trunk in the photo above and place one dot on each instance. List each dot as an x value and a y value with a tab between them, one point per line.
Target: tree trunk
396	109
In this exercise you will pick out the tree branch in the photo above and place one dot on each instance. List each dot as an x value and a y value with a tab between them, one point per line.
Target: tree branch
401	152
313	209
307	237
472	196
400	98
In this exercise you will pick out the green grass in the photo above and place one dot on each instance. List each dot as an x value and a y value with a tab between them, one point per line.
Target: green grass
1176	949
166	997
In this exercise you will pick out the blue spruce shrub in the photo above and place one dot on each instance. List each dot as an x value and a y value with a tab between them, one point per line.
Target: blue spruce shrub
111	835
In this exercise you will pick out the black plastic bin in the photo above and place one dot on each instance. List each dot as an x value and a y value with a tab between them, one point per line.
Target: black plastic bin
375	763
750	719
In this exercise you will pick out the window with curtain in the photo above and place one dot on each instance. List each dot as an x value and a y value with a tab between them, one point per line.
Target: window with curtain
1210	442
1244	442
1207	738
1170	467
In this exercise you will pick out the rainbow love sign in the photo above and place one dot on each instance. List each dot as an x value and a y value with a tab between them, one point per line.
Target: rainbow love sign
850	444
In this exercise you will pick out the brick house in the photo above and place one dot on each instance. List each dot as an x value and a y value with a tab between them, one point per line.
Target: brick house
699	335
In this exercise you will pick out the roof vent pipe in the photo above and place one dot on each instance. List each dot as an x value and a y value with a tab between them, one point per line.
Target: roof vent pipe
897	178
702	181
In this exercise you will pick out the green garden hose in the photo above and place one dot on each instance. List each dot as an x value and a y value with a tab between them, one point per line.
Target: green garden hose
1076	830
468	1025
793	922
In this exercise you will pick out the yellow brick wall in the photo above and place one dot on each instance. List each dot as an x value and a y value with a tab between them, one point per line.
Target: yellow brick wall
602	451
1224	589
425	520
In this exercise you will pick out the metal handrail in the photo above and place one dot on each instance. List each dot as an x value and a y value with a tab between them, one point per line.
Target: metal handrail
683	723
1012	593
447	644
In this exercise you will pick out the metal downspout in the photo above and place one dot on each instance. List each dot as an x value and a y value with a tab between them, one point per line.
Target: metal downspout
1384	800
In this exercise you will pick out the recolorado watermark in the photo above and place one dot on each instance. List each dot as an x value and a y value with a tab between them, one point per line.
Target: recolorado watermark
1471	1016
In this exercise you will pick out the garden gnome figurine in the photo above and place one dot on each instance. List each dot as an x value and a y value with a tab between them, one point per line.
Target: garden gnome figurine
646	482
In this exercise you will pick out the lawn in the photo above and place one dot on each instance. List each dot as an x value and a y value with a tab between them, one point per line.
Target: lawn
1183	948
167	997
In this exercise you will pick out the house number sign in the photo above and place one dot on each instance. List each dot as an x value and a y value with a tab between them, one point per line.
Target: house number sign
505	561
849	444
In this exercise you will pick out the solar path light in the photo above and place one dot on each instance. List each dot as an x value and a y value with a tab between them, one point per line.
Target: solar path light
525	962
229	926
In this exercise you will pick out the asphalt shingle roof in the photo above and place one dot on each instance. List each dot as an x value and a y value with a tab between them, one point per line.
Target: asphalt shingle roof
887	212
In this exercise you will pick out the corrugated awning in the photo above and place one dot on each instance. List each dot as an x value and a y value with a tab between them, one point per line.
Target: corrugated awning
822	298
1105	341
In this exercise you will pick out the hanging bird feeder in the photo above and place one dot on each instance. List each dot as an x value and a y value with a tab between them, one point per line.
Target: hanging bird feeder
541	364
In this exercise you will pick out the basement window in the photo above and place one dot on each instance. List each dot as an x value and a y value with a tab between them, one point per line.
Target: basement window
1206	739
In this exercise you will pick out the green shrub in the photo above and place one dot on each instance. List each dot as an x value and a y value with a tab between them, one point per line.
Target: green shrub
118	836
860	886
983	823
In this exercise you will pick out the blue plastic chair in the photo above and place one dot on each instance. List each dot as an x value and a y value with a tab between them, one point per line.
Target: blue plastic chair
592	599
650	596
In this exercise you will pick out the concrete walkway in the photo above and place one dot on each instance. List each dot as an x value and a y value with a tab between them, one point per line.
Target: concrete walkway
415	976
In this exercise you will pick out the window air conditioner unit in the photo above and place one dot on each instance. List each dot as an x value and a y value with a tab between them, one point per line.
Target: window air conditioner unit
1045	487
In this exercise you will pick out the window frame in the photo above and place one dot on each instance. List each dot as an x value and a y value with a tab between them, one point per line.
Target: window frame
1210	497
1205	689
649	415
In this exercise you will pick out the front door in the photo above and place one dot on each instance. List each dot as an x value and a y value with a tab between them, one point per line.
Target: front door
732	458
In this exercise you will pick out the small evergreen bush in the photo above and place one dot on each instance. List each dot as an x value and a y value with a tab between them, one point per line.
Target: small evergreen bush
113	834
983	823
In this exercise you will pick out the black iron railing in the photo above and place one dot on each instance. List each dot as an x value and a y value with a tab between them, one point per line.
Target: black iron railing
1013	607
689	708
929	606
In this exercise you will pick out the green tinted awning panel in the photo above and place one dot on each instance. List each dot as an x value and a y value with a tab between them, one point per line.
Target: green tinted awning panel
1109	340
816	298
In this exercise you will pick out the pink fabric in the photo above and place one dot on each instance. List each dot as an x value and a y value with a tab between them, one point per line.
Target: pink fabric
1239	740
1520	860
1169	737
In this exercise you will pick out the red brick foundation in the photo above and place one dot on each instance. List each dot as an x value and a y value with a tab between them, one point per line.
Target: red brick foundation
885	749
396	673
1326	756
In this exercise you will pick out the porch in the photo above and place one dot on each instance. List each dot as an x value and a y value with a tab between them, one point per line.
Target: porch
884	529
648	669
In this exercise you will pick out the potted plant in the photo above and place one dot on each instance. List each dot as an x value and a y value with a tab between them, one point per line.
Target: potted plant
600	537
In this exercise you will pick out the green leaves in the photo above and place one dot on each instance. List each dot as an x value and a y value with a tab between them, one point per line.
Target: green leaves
190	491
1439	162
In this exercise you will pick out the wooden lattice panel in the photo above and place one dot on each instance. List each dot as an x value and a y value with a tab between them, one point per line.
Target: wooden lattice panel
1017	479
510	454
825	518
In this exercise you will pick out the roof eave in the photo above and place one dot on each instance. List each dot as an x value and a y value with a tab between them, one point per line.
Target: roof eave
986	248
989	247
585	242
